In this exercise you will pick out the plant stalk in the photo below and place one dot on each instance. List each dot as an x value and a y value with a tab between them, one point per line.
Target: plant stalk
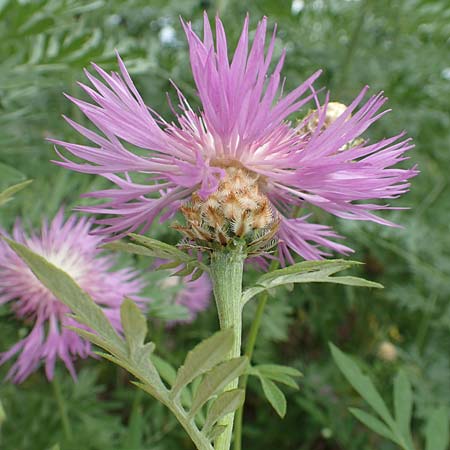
62	409
253	334
226	272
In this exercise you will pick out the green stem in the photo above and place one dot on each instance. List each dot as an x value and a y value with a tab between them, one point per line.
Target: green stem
253	333
189	425
249	348
226	274
62	409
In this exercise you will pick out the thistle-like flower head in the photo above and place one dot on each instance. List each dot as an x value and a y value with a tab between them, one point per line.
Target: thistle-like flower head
243	130
69	246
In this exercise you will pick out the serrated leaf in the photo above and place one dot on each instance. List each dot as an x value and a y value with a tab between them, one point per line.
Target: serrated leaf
362	384
216	432
437	430
203	357
66	290
307	272
225	403
373	423
274	395
134	324
216	380
146	374
8	193
403	404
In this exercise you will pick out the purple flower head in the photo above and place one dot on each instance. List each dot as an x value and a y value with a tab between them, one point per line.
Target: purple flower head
69	246
243	124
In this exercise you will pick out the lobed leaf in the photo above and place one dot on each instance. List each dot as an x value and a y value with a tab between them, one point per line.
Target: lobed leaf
203	357
134	325
224	404
274	395
68	292
216	380
362	384
278	373
307	272
373	423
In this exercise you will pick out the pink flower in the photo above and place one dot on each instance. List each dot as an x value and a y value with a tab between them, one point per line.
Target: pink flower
244	122
69	246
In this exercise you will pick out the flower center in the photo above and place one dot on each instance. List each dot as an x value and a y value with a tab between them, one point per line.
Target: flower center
237	210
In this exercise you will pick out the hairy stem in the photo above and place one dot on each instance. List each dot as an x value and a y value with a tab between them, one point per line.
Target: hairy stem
226	274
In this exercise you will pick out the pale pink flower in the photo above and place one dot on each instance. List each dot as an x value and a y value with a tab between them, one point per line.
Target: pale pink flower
69	246
244	122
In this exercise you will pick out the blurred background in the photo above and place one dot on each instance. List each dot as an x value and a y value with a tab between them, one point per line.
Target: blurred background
402	48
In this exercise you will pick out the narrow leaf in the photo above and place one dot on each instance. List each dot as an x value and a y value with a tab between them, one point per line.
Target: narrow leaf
216	432
166	370
203	357
216	380
362	384
275	369
437	430
275	396
9	192
373	423
224	404
307	272
161	249
403	403
66	290
134	324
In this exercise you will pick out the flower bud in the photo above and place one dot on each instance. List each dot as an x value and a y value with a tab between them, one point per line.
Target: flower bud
237	210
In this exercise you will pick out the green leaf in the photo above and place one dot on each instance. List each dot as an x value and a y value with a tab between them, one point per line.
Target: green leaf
276	372
9	176
275	396
307	272
66	290
437	430
2	414
373	423
216	432
166	370
362	384
93	338
216	380
225	403
403	404
161	249
134	325
203	357
7	194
